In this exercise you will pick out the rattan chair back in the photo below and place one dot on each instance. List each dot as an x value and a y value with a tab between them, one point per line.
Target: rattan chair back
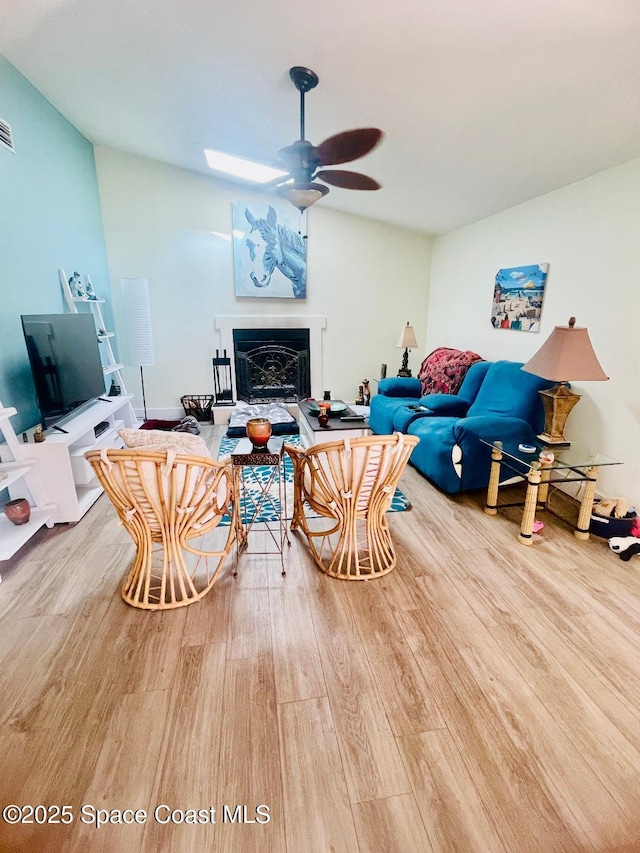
167	501
349	485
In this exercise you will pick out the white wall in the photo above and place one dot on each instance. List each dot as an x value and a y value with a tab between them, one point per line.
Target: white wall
161	223
588	233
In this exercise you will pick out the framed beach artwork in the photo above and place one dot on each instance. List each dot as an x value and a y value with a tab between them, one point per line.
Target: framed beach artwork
269	255
518	295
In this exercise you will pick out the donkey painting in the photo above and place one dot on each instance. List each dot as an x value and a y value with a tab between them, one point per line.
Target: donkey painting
272	249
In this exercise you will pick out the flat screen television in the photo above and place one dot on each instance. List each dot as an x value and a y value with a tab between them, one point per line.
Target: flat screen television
64	354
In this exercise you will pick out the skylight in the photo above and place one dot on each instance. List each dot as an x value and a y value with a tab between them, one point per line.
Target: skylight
241	168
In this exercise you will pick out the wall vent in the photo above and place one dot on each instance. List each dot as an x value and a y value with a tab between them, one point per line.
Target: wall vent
6	137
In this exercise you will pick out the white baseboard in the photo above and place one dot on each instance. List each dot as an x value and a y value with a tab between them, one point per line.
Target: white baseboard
160	414
221	414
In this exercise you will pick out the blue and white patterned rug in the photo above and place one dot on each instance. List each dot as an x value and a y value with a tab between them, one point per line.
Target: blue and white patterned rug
271	507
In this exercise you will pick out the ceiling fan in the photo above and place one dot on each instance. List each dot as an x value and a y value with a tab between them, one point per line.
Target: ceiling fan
305	162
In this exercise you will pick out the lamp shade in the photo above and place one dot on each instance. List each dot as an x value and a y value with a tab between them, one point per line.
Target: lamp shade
302	196
567	356
138	332
407	338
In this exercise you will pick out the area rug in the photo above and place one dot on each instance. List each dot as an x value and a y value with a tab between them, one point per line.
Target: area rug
271	507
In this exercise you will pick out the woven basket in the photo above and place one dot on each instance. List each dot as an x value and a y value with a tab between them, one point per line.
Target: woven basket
198	405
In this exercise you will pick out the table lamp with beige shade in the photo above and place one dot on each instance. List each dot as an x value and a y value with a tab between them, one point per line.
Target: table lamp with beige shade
566	356
406	341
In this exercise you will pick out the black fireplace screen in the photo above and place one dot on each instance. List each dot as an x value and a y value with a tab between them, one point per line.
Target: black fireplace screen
272	365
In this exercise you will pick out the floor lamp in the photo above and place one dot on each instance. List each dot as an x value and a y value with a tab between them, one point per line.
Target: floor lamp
137	326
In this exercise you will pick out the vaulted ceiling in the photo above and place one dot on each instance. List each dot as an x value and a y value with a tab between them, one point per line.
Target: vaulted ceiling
484	105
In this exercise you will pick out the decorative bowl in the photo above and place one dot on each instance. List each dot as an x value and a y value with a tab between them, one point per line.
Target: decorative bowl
18	511
337	406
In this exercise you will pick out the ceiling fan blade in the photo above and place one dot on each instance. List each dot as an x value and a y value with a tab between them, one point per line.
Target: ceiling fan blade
347	180
349	145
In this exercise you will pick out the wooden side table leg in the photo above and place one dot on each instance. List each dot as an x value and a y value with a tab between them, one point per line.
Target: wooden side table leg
530	505
491	507
586	504
543	490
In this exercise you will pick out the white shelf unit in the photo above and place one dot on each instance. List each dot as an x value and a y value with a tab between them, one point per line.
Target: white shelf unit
17	468
66	478
110	367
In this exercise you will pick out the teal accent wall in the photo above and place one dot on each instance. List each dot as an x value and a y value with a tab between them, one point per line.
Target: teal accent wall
50	218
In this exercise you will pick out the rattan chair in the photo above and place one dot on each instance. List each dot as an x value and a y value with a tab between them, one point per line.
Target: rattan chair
166	501
348	485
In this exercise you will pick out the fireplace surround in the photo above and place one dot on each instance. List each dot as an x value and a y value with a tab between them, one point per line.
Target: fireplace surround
225	325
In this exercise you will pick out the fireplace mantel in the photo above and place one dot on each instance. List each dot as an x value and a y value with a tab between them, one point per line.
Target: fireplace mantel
226	323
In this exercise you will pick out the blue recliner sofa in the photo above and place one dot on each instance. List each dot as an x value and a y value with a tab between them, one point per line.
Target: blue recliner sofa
496	401
399	401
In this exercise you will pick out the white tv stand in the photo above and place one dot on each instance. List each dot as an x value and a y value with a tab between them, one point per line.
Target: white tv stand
66	477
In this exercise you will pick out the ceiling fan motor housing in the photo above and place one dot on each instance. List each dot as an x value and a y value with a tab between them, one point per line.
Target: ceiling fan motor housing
301	159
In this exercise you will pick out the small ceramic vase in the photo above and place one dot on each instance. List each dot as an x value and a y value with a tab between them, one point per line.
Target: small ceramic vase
18	511
323	417
259	431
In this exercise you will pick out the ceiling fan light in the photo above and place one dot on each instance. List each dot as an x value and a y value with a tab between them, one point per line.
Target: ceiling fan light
302	196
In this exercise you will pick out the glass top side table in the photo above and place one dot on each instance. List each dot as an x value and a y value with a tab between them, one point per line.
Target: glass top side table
260	495
577	463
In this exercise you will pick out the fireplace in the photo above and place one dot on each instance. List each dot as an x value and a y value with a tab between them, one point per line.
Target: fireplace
225	324
272	365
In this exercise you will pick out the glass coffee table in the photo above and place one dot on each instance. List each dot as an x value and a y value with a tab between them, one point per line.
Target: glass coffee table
572	464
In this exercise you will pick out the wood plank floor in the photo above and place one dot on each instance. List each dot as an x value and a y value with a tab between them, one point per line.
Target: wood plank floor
482	697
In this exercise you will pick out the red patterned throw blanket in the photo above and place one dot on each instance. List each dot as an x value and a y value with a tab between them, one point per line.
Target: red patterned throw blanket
443	370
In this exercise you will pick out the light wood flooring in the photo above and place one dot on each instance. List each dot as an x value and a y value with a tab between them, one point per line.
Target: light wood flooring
482	697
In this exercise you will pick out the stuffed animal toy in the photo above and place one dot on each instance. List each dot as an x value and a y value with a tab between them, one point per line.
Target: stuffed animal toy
625	546
611	508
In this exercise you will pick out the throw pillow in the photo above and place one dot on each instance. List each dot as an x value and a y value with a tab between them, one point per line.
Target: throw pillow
155	439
